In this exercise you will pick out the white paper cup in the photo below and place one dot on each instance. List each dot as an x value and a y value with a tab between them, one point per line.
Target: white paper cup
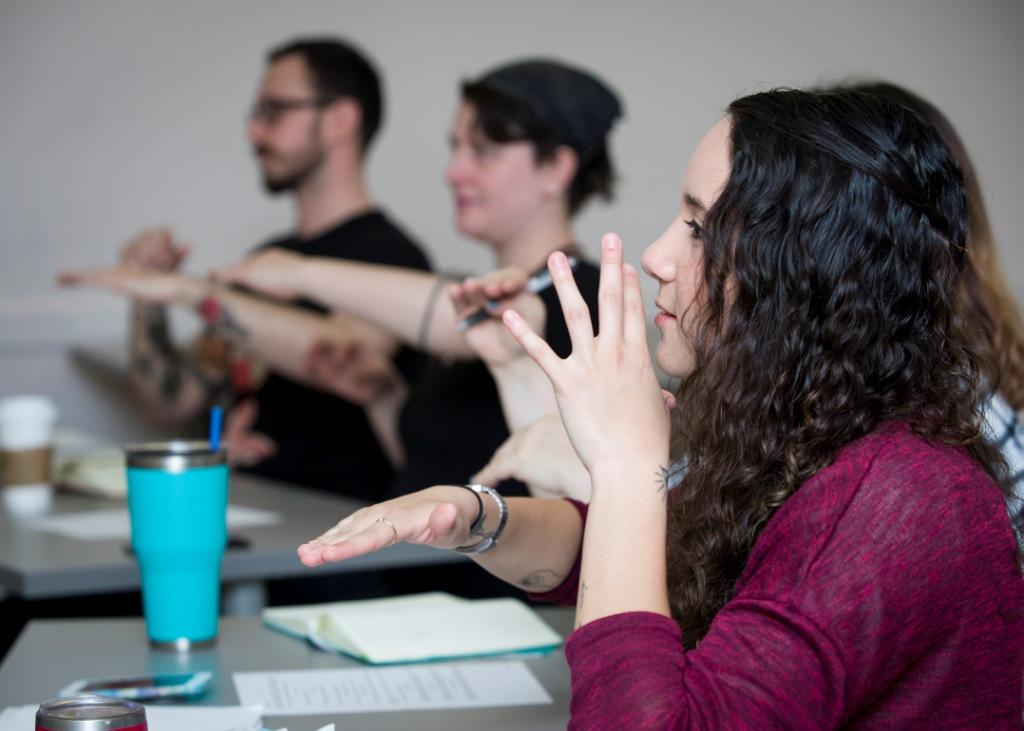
26	438
26	422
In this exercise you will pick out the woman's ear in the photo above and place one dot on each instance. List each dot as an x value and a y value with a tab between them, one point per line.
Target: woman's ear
560	170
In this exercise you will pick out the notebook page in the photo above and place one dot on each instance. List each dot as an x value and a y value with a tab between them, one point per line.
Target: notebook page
415	633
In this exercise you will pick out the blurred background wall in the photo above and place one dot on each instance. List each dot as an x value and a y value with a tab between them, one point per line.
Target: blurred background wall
120	114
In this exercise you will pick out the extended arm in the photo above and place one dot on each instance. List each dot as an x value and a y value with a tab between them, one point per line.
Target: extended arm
407	303
536	552
290	340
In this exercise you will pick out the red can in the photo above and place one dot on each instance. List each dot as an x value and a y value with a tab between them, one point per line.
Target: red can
90	713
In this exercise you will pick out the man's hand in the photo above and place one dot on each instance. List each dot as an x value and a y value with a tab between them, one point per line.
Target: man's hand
154	249
273	272
351	369
149	286
246	447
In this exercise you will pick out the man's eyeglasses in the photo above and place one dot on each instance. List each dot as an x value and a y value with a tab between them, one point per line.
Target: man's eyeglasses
270	111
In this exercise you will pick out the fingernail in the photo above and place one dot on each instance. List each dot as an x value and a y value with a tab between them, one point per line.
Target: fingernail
510	317
558	260
611	243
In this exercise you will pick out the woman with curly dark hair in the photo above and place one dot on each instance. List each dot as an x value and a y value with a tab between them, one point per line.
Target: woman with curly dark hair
837	553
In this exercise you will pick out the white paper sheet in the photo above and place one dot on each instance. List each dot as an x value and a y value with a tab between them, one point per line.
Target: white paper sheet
400	688
160	718
112	524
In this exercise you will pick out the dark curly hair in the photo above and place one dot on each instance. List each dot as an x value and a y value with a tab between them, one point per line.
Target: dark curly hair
990	302
828	304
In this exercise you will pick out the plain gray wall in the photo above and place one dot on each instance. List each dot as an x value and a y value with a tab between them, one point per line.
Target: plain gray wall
119	115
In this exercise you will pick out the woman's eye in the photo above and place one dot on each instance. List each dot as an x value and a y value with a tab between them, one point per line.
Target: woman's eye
698	230
483	151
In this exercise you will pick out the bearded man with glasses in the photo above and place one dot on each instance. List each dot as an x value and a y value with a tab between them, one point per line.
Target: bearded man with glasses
316	113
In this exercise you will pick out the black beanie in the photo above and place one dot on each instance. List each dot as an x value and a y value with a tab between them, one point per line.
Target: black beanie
579	109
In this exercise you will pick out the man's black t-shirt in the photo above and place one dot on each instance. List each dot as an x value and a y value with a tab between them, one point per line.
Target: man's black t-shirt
324	441
453	423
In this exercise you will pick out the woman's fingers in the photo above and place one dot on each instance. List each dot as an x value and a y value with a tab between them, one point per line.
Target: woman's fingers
535	346
574	308
634	323
376	536
345	540
382	526
609	293
492	292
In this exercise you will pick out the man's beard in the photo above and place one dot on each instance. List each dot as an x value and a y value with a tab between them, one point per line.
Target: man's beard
295	174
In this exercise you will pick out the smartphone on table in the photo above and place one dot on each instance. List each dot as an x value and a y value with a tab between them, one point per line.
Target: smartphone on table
145	687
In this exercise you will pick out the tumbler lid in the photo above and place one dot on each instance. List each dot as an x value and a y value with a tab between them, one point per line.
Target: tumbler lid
176	456
90	713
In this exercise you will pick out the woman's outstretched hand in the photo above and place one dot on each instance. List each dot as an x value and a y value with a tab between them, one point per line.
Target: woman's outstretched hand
607	391
435	517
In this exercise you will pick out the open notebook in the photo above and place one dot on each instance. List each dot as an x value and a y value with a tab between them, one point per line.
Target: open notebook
417	628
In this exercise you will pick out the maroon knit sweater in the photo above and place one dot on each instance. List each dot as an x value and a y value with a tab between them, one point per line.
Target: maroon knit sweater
886	593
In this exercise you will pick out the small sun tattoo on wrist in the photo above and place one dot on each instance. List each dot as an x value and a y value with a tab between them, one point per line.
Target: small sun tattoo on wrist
662	482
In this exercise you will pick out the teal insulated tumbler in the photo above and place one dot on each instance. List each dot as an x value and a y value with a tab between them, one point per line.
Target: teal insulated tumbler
177	500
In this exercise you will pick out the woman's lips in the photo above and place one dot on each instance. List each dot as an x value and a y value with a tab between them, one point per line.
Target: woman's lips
662	318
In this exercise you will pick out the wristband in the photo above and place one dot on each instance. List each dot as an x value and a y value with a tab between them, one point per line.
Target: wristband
475	528
490	540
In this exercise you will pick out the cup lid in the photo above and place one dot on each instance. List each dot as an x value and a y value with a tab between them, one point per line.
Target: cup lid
27	407
90	712
173	456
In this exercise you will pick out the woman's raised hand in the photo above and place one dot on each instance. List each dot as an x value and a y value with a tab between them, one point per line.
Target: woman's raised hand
607	391
437	516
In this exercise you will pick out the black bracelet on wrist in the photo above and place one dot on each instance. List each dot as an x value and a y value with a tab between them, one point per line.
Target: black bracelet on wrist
476	527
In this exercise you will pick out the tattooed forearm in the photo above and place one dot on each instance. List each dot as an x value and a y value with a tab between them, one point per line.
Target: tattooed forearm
159	367
542	580
662	482
155	357
156	329
218	316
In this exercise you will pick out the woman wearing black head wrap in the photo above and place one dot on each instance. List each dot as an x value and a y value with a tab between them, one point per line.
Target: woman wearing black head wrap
529	149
